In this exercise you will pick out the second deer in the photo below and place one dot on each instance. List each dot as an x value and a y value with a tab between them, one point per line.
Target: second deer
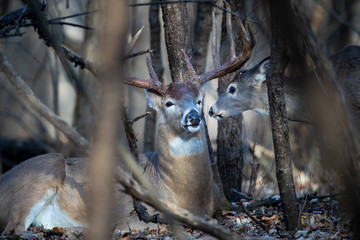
248	90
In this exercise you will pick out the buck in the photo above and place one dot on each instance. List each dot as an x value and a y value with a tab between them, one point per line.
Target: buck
248	90
50	191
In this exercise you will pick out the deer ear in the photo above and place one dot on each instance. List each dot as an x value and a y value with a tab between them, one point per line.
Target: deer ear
153	100
260	73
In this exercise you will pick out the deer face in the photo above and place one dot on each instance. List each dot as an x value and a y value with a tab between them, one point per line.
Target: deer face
180	107
244	93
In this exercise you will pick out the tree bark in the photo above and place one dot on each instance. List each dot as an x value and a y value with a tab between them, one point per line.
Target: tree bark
229	139
202	29
279	124
177	36
155	41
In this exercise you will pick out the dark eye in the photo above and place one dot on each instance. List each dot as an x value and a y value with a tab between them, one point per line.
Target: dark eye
232	90
169	104
199	102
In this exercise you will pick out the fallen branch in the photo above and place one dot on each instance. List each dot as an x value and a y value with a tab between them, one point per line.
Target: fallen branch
29	98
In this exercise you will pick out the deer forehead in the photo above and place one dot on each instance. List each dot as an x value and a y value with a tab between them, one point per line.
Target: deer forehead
181	90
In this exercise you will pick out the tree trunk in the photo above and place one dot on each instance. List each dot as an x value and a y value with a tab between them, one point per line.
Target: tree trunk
229	139
84	112
155	41
279	124
177	36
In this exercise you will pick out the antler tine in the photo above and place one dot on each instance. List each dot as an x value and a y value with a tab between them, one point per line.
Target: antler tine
150	84
215	50
234	62
135	39
192	72
229	29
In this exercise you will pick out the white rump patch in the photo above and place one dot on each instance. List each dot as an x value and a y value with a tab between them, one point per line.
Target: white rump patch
47	213
185	147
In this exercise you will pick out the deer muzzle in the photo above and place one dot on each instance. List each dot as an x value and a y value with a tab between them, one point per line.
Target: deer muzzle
193	121
214	114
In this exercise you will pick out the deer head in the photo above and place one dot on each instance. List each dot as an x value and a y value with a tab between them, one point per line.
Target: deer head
246	92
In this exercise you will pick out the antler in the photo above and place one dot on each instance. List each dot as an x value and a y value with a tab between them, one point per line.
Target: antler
234	62
151	84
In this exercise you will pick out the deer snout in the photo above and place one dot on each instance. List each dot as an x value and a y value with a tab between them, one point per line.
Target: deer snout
215	115
193	118
192	121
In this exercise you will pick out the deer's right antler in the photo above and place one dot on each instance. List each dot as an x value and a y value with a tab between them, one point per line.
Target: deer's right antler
152	84
234	62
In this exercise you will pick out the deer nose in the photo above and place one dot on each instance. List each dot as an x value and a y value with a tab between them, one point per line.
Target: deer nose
211	112
193	118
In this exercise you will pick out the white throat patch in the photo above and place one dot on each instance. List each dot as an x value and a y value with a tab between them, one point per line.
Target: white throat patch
185	147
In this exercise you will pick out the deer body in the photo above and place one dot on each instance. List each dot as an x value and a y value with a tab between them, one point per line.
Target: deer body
46	190
248	90
51	191
182	167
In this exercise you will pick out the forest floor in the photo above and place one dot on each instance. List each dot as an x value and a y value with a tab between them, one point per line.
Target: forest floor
322	217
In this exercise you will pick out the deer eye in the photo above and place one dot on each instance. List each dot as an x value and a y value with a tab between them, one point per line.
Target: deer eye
169	104
199	102
232	90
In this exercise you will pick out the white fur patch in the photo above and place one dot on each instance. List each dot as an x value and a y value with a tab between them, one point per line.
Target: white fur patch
48	214
260	78
185	147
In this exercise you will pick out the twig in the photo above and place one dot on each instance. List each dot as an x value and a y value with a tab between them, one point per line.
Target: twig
130	135
244	209
28	96
79	61
138	53
139	117
244	196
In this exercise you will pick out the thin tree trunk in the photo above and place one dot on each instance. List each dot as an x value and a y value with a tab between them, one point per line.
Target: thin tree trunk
229	139
203	29
279	124
84	112
155	41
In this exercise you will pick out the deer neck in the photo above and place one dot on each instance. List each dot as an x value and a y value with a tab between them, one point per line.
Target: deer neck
295	100
185	169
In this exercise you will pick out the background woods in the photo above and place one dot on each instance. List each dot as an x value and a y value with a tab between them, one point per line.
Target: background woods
61	66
